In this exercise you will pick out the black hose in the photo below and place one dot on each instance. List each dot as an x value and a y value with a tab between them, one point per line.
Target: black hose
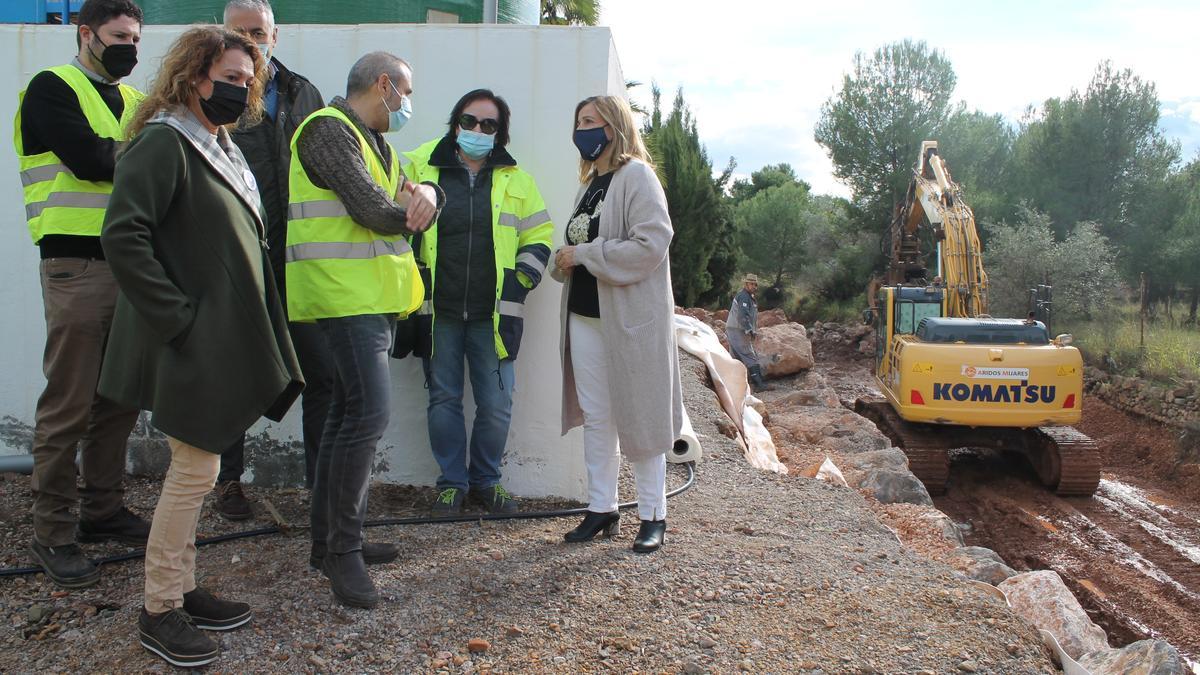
384	522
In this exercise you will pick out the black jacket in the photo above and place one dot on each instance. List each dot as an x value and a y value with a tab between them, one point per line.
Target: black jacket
267	147
465	279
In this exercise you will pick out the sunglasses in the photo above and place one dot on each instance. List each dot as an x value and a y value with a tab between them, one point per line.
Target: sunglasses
469	122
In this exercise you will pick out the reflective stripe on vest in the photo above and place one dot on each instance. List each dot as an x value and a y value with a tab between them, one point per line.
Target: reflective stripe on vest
334	266
325	208
344	250
41	174
56	202
533	261
75	200
522	224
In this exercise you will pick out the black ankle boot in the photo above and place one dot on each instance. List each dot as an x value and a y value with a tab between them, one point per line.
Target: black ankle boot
349	580
593	523
651	536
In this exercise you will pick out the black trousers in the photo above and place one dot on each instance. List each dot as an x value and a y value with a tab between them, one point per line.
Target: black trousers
316	364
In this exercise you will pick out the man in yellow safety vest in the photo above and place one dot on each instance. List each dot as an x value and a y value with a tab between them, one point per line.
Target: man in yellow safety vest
349	267
69	127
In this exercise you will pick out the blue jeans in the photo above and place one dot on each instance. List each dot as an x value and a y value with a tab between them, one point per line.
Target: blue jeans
358	416
492	384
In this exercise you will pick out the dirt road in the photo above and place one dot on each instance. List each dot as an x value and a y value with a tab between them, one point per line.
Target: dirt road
1131	553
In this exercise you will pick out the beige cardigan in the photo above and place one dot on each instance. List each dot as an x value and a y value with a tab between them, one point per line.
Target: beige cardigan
630	260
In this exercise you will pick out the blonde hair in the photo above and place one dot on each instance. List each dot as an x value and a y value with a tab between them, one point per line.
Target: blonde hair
188	61
626	141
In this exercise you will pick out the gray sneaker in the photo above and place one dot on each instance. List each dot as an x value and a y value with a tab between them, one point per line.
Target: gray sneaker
494	499
448	503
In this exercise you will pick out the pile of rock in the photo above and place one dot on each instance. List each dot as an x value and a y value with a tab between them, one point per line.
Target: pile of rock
1177	404
857	336
783	346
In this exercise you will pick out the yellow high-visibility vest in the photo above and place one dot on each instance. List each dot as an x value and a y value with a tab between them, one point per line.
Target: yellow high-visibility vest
521	234
56	202
334	266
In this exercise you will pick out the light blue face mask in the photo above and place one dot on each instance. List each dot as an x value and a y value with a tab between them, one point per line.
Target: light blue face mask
474	144
265	48
398	118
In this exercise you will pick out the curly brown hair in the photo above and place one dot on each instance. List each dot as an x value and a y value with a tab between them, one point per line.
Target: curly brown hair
187	61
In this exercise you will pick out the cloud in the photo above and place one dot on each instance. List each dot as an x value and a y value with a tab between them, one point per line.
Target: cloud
755	74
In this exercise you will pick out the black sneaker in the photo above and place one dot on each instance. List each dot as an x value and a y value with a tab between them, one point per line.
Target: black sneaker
65	565
374	553
172	636
124	526
448	503
495	499
231	501
212	613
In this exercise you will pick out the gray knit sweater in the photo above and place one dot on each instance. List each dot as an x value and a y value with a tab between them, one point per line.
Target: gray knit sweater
332	158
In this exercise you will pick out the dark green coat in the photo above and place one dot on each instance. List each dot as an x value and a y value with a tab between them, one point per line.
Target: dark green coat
199	337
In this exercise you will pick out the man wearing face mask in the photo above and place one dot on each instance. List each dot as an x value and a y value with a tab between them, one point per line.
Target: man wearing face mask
350	269
487	250
287	100
70	125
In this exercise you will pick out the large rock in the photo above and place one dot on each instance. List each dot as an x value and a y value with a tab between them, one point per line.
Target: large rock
984	564
941	523
1042	599
892	459
1146	657
894	487
784	349
772	317
837	431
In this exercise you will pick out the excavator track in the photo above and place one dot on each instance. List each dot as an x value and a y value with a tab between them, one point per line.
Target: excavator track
1065	460
1070	461
928	456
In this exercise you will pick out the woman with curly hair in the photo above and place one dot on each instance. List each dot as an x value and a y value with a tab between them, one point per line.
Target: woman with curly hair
199	337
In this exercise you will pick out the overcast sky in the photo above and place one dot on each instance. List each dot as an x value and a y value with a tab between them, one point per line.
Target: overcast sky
756	72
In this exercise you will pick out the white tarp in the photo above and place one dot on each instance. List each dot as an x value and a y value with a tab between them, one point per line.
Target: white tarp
733	391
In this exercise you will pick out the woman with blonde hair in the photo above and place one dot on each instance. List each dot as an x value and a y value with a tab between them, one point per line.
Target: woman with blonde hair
199	337
619	361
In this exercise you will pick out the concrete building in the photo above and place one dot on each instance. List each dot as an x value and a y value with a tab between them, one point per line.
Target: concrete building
525	12
542	71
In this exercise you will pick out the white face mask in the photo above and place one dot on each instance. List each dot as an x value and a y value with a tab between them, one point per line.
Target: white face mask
265	48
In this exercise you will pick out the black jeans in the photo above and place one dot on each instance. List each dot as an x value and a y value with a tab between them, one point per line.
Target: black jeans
316	363
358	416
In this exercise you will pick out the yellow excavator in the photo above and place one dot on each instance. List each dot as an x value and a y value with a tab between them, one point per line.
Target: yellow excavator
952	376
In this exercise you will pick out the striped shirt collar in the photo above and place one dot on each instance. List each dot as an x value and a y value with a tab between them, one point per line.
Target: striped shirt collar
219	151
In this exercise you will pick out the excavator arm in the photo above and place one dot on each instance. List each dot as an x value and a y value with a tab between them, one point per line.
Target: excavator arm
934	200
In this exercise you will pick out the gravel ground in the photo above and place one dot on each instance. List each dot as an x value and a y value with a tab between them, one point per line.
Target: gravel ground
760	573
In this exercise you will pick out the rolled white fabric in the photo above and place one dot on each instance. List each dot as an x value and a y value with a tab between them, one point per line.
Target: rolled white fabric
687	446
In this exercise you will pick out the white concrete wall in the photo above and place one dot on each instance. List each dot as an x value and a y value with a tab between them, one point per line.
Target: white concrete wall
542	72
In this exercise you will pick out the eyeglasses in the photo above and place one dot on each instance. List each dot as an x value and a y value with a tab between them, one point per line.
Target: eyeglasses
468	121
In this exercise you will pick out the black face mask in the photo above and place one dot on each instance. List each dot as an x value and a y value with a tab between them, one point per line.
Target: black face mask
117	60
226	105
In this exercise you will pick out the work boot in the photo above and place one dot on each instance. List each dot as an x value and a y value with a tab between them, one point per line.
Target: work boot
349	581
212	613
65	565
172	636
495	499
757	379
231	501
448	503
374	553
124	526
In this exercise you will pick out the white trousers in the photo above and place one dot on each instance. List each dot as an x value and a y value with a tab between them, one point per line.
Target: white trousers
601	451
